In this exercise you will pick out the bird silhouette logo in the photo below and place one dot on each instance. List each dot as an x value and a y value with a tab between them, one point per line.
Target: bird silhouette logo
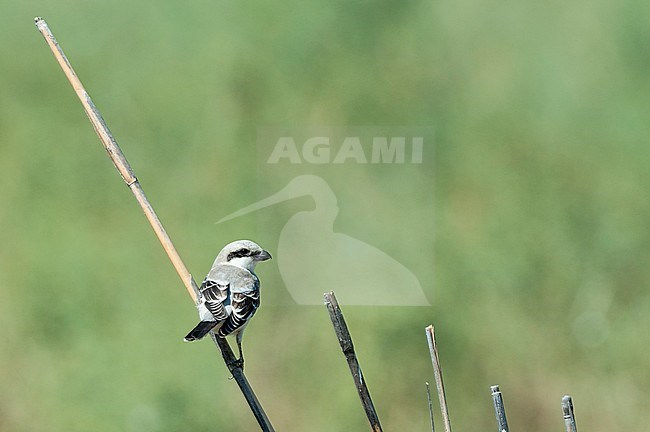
313	259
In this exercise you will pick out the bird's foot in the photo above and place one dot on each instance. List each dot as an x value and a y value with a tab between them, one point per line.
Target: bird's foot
236	364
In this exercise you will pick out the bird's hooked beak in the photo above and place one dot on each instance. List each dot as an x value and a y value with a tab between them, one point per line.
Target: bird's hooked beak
263	256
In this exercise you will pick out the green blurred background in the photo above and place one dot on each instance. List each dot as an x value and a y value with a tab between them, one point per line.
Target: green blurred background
540	260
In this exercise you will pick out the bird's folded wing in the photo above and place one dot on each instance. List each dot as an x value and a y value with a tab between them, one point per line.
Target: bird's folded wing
214	295
244	305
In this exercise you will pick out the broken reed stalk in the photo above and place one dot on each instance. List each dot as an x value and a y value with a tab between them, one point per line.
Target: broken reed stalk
569	415
345	340
433	426
437	373
128	175
499	409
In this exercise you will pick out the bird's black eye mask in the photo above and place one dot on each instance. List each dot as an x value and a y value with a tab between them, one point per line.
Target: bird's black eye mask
243	252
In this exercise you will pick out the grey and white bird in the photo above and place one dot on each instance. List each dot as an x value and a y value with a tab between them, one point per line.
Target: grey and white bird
230	293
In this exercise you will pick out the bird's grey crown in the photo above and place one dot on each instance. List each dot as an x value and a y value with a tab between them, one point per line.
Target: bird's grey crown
238	249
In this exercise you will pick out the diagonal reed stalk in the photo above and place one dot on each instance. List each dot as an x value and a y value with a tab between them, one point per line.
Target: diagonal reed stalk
125	170
437	373
345	340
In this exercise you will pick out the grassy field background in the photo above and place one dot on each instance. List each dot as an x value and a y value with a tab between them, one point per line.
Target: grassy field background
536	266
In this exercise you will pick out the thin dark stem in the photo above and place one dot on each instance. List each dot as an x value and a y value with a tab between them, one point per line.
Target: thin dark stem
499	409
569	415
437	373
345	340
433	426
128	175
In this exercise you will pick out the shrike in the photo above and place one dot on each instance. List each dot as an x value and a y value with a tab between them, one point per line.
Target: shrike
230	293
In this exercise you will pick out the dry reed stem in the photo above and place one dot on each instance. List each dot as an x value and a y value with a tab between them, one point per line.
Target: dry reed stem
128	175
437	372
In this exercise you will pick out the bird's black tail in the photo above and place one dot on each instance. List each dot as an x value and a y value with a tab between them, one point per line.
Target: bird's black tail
202	329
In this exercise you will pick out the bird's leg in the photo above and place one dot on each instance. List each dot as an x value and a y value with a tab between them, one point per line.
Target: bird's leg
241	353
238	363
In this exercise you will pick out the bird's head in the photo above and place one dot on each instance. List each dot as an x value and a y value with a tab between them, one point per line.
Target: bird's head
243	253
